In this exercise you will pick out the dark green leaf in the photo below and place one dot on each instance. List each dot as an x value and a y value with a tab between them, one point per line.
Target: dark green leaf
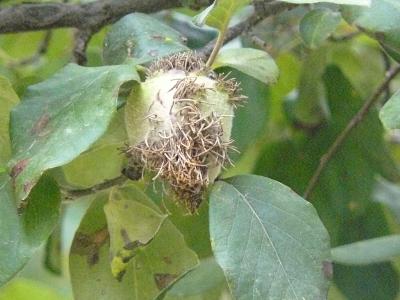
318	25
368	252
254	114
61	117
268	240
21	235
204	282
343	196
141	38
252	62
309	108
380	21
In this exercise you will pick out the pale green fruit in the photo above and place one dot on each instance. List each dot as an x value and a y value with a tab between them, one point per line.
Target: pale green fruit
154	97
169	113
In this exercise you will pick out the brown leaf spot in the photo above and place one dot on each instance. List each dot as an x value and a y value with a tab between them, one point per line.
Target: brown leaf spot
40	125
167	260
93	257
28	186
19	167
125	236
21	207
327	268
183	39
157	37
133	172
128	243
89	245
380	36
100	237
121	275
163	280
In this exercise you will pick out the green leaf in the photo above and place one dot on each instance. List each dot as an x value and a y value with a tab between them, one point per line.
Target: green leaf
53	260
346	2
253	115
131	224
388	194
268	240
8	99
252	62
350	58
368	252
94	167
23	289
194	228
141	38
155	266
390	112
219	14
318	25
342	198
204	282
21	235
103	160
309	108
61	117
380	21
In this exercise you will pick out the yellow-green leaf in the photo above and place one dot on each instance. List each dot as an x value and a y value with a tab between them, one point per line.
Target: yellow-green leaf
132	223
8	99
219	14
255	63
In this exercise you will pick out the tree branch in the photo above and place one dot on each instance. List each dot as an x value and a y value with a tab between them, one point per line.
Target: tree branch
82	39
133	173
93	15
70	195
262	10
354	122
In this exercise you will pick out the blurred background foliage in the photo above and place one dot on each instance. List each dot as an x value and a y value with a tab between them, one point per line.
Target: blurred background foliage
281	133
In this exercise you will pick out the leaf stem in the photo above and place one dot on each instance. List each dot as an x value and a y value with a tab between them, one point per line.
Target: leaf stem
70	195
354	122
218	44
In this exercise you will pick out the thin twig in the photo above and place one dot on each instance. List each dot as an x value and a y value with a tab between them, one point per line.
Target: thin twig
356	120
388	66
74	194
345	37
260	43
262	11
82	39
41	50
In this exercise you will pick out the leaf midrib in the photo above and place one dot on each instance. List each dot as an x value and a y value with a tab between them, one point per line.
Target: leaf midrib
269	238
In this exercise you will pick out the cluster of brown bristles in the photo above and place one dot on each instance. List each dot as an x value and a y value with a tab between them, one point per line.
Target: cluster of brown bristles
183	153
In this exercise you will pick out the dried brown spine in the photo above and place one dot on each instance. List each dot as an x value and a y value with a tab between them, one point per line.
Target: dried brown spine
183	153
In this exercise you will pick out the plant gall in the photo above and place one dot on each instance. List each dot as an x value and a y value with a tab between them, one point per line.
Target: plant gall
179	124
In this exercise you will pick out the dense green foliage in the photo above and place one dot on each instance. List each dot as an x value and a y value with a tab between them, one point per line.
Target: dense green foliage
73	226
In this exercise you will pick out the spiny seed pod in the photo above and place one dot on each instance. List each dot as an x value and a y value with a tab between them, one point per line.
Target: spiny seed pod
179	124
